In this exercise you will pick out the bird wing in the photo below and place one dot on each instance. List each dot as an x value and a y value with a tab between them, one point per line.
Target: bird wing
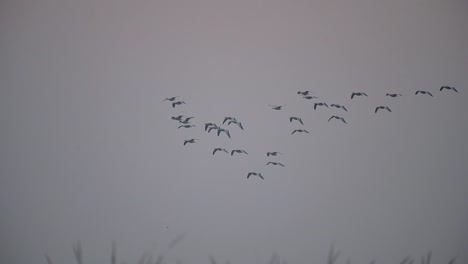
225	119
268	154
417	92
352	95
430	94
455	89
232	152
214	151
377	108
240	125
315	106
294	131
300	121
269	163
281	164
306	131
245	152
260	175
344	108
342	119
173	105
330	118
227	133
185	142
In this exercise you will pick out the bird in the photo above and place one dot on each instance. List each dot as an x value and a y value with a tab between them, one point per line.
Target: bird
228	118
186	126
274	153
339	106
304	93
358	94
448	88
177	103
225	131
190	141
220	149
255	174
276	107
308	97
238	151
319	104
393	95
239	124
186	121
424	92
276	163
207	125
300	130
337	117
170	98
296	118
382	107
213	127
178	118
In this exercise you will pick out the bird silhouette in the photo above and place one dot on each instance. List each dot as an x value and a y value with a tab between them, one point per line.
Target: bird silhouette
228	118
177	103
170	99
308	97
238	151
220	149
319	104
276	163
358	94
225	131
186	126
210	125
448	88
190	141
276	107
274	153
424	92
339	106
178	118
337	117
382	107
255	174
186	121
393	95
239	124
304	93
296	118
300	130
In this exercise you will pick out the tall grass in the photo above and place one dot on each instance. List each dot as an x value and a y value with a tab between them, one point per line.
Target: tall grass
147	257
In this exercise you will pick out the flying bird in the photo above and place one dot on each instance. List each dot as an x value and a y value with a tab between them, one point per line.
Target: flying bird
190	141
178	118
319	104
337	117
296	118
308	97
304	93
225	131
170	98
300	130
220	149
276	163
448	88
209	125
255	174
382	107
339	106
358	94
177	103
274	153
424	92
186	126
276	107
228	118
238	151
186	121
393	95
239	124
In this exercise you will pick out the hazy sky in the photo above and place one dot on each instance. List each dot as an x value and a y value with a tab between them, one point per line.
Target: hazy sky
88	150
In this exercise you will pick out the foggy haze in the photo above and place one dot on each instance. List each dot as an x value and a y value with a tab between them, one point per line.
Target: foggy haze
88	150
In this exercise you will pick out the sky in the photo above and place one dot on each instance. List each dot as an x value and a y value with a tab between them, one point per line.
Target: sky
88	150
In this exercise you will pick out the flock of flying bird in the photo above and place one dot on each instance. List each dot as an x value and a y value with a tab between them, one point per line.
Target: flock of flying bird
208	127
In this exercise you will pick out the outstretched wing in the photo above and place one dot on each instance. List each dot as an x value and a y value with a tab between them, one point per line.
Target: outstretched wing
294	131
352	95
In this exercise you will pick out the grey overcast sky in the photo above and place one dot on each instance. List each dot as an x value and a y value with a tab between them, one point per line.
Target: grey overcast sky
89	151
